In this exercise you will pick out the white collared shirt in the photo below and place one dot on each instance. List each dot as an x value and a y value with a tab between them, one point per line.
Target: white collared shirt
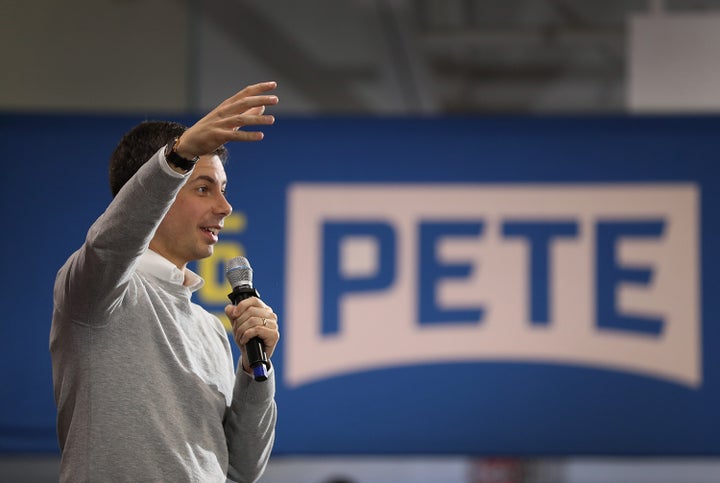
155	264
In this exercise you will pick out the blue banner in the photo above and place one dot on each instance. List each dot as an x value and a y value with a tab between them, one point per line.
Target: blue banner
515	286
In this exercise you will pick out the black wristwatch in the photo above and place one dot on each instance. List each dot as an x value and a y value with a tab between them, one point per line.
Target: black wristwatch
173	157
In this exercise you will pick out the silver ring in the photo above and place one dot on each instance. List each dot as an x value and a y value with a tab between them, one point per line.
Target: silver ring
264	322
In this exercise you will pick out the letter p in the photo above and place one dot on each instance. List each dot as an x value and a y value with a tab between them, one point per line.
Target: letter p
340	274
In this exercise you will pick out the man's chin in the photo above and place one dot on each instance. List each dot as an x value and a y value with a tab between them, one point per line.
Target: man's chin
205	252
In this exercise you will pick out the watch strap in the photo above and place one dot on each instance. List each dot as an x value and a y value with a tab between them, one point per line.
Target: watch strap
175	159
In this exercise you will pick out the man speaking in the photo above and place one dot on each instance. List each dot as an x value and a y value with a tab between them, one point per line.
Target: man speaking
143	377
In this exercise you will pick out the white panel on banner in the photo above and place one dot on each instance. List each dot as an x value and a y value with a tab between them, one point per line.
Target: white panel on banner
601	275
674	64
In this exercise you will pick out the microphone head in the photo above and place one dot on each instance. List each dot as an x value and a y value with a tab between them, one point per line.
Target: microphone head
238	272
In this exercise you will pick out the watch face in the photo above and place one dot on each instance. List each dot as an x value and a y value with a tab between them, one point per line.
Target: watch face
172	156
170	150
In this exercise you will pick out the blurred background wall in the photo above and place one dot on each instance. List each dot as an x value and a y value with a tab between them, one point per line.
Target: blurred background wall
377	59
362	56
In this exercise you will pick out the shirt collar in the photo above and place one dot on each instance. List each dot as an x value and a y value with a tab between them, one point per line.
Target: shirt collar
155	264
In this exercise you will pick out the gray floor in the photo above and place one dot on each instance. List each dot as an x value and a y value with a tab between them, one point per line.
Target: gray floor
29	469
44	469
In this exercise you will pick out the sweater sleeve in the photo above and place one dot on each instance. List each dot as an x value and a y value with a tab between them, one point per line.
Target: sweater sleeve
250	426
95	277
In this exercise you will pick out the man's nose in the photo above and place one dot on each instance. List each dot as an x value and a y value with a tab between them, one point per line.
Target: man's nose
224	207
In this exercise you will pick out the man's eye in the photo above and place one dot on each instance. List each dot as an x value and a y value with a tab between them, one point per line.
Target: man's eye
203	189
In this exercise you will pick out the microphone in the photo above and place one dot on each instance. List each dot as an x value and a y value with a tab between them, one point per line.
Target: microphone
240	275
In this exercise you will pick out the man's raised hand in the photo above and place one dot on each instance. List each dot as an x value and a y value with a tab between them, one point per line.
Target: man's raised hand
224	123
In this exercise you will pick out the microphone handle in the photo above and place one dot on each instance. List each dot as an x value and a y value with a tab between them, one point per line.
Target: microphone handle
259	362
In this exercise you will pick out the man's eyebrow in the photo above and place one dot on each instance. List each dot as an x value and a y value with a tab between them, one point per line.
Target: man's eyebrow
209	179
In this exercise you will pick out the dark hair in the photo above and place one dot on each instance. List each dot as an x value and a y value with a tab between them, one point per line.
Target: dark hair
139	144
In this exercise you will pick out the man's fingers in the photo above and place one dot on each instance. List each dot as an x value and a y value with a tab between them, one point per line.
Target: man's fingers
244	120
253	90
260	324
247	120
268	335
248	136
241	120
241	112
255	111
242	105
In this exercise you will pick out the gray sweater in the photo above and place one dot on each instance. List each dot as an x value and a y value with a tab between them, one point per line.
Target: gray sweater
143	377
